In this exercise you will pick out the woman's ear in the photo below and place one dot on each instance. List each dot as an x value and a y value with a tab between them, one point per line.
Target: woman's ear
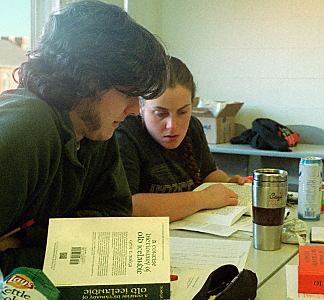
141	106
195	101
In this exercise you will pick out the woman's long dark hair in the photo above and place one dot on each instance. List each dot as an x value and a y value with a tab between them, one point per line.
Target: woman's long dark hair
90	46
180	74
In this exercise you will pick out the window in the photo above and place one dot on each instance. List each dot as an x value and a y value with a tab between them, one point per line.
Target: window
14	38
17	37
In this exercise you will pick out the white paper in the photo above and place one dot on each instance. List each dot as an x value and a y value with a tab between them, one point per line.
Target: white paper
292	285
243	224
317	234
207	253
194	259
188	284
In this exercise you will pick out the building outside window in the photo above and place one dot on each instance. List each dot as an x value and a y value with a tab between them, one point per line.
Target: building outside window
21	23
15	28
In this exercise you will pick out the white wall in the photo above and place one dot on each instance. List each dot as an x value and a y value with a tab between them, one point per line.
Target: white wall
147	13
267	53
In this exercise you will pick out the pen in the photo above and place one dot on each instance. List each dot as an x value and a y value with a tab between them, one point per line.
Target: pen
286	215
248	178
21	227
173	277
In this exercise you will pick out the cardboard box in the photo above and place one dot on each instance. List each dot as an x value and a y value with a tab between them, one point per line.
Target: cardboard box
311	269
219	126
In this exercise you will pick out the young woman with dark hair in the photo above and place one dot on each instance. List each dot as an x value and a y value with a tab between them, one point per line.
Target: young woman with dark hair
166	155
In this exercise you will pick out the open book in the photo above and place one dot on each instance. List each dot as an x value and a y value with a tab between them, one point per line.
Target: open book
220	221
244	193
124	256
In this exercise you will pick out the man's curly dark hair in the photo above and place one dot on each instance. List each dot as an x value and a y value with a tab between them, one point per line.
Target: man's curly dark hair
88	47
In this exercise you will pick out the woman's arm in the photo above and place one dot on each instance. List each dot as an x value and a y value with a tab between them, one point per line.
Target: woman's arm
221	176
180	205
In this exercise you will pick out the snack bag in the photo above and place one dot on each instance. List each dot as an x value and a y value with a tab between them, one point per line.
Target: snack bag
28	283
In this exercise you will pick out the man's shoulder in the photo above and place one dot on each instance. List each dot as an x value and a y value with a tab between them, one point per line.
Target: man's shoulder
23	114
23	103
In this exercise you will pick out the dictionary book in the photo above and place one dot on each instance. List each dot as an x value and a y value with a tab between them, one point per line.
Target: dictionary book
109	258
311	269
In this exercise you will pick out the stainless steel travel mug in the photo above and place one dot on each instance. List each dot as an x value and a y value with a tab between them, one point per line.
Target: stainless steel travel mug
269	198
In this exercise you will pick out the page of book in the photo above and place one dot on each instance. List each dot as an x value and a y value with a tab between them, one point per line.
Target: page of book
244	193
223	216
221	221
204	227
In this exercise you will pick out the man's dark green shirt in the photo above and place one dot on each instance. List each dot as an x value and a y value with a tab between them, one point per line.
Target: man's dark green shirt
43	174
150	168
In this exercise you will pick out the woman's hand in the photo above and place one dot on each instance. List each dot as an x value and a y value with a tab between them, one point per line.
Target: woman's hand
217	196
238	179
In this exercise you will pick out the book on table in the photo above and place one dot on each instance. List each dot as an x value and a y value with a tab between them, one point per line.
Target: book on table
311	269
220	221
109	258
244	192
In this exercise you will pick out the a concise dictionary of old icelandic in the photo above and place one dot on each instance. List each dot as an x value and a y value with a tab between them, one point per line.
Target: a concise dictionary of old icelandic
311	269
109	258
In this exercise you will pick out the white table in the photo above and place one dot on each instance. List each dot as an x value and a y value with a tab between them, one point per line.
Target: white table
301	150
268	265
275	287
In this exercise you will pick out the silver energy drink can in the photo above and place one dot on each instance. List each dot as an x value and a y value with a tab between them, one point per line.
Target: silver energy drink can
309	183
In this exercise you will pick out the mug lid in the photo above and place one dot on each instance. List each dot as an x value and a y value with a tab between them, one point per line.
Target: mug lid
268	174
